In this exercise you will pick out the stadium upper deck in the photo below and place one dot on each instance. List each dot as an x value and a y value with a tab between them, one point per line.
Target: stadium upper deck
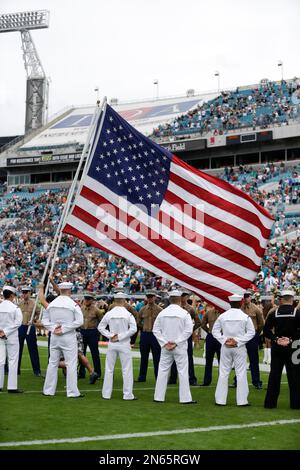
249	125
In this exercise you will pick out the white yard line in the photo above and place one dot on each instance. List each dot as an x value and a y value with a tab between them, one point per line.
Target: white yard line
171	432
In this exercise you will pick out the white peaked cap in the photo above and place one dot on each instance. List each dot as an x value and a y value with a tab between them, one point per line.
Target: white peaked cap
10	288
175	293
65	285
288	292
120	295
235	298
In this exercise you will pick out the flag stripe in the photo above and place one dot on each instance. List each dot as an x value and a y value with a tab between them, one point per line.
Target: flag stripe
154	255
182	250
238	238
218	206
101	195
242	249
224	189
85	232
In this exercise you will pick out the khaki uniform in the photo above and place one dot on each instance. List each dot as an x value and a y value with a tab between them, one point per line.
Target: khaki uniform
209	318
26	307
255	314
92	316
147	316
195	317
212	346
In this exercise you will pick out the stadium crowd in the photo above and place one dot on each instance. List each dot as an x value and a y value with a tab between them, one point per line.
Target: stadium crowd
29	223
270	103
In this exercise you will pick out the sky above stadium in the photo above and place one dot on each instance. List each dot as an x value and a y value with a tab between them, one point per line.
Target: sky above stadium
123	46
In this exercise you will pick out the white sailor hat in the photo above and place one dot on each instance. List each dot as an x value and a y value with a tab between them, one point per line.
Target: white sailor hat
65	285
287	292
26	289
10	288
235	298
120	295
175	293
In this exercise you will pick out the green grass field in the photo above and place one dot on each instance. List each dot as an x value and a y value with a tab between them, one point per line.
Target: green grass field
31	416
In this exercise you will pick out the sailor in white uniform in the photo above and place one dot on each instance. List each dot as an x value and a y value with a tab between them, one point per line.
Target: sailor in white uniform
10	320
233	329
62	317
118	324
172	328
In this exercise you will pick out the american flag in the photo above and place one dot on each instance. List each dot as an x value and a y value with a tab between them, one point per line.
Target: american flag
140	202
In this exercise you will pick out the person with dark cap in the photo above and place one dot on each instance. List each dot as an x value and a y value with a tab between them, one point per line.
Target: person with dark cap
27	305
212	345
90	334
10	321
147	317
196	324
282	327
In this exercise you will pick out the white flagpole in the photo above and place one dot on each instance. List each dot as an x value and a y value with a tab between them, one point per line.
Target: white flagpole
85	170
58	232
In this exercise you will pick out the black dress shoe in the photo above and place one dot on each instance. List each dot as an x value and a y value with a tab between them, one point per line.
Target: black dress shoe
258	386
15	390
193	402
204	385
219	404
158	401
93	377
139	381
103	398
39	375
1	389
171	382
194	384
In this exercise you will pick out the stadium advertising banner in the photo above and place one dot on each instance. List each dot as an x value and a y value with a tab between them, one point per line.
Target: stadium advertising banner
43	159
185	146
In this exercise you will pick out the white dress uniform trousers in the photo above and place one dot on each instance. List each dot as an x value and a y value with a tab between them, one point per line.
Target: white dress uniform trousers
122	323
173	324
10	319
233	323
64	312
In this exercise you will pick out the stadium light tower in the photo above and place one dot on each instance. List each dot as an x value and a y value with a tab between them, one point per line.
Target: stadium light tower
217	74
37	87
156	84
280	64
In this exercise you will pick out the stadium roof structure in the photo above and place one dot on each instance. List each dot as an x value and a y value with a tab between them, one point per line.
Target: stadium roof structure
72	128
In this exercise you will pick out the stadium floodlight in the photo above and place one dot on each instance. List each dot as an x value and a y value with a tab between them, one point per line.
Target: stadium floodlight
25	20
280	64
37	83
155	82
217	74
